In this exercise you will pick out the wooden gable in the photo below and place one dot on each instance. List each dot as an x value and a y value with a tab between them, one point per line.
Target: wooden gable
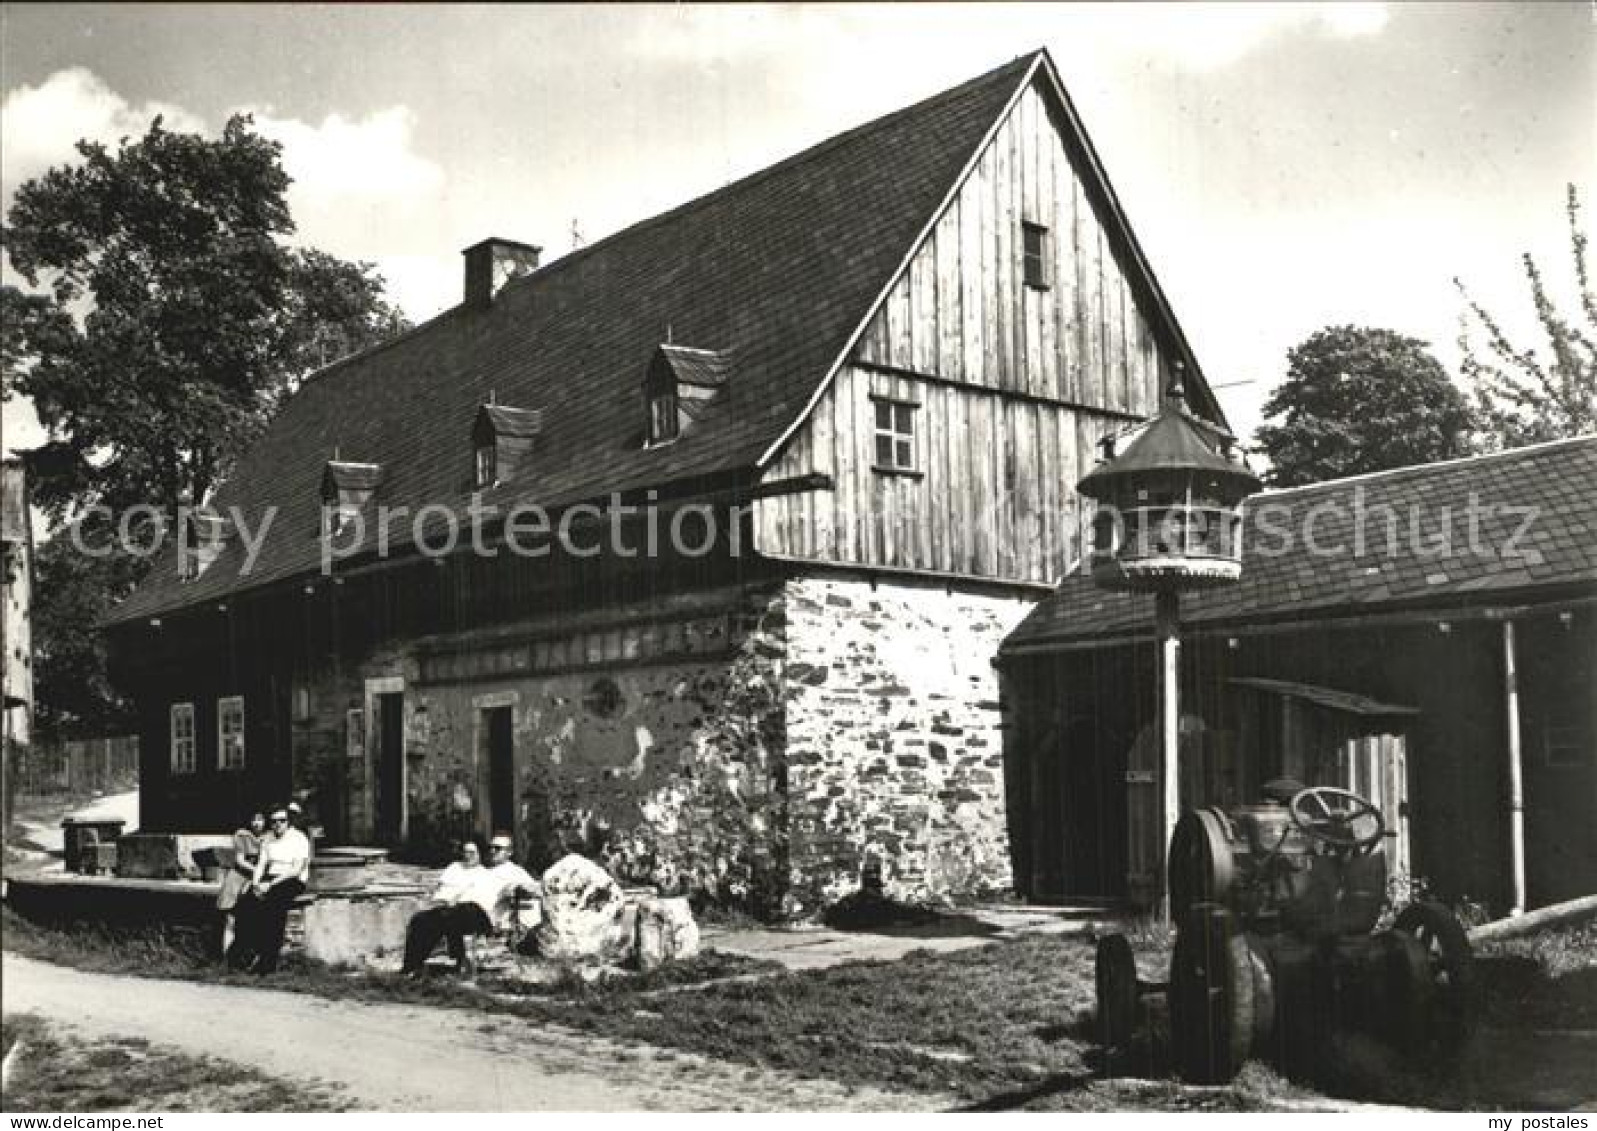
1012	383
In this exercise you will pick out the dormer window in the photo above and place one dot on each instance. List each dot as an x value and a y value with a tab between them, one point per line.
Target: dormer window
486	473
204	535
346	488
501	438
663	424
680	383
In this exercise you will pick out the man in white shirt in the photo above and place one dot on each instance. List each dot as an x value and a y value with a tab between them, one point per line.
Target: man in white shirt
497	891
453	915
281	873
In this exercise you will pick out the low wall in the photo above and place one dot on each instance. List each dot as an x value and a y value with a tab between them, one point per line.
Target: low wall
347	930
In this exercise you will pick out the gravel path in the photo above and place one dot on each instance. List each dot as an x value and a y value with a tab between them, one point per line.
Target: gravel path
410	1058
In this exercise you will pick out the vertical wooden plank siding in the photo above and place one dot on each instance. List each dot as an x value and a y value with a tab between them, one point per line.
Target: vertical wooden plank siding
993	491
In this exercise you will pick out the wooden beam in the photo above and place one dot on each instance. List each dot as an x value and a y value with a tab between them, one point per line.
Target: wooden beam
1516	774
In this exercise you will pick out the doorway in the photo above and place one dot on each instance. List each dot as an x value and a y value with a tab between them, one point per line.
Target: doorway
498	726
389	800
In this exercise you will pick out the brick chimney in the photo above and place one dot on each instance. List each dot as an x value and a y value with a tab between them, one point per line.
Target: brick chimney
493	263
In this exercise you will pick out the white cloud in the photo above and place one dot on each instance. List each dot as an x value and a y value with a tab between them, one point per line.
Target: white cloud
369	159
41	124
359	183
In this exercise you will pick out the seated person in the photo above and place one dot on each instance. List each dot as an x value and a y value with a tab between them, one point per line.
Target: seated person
472	901
506	885
453	914
281	872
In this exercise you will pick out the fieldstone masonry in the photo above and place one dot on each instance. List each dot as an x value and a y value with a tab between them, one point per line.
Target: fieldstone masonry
894	747
760	754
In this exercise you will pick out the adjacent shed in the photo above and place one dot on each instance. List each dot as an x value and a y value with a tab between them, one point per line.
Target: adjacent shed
1425	636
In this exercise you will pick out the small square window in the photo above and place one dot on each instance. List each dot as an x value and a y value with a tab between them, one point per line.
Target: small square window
1036	260
230	733
895	436
183	759
662	417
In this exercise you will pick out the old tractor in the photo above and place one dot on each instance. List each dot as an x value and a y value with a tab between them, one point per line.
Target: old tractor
1275	907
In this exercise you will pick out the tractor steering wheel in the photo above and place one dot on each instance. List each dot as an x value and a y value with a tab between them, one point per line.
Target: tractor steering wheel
1334	825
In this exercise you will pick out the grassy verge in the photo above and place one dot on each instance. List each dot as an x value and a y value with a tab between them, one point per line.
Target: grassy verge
999	1026
1007	1025
50	1073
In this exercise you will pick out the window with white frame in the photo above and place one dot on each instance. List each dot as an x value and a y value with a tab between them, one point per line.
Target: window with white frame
183	759
230	733
487	468
895	435
663	416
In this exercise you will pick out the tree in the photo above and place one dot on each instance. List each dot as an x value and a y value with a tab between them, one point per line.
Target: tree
1357	400
173	318
176	317
1521	397
74	695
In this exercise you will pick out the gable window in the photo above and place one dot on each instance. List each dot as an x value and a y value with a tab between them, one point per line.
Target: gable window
183	760
487	473
1036	257
230	733
895	435
662	417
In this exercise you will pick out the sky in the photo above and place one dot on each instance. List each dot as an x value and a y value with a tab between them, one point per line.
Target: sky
1285	166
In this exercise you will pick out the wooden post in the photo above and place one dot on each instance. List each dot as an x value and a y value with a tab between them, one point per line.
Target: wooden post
1516	775
1167	619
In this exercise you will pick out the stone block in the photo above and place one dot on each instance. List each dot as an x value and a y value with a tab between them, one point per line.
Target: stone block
163	856
666	932
356	930
584	914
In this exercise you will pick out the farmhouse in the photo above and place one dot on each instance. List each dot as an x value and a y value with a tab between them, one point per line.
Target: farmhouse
857	386
1425	637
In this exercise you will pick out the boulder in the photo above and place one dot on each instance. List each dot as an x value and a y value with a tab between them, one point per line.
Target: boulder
584	914
666	932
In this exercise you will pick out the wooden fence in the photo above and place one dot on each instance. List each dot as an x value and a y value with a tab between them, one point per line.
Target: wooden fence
94	765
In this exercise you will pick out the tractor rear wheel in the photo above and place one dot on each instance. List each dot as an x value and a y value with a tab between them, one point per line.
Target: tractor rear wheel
1115	975
1211	996
1453	1006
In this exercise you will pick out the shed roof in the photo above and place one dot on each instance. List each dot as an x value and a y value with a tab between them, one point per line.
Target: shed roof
1389	540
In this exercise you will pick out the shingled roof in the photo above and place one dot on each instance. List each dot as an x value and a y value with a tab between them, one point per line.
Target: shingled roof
778	271
1518	554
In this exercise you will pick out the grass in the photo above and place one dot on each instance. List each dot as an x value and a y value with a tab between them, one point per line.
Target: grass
1000	1026
55	1073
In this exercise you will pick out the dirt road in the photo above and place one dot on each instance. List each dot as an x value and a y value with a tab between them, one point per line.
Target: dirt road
408	1058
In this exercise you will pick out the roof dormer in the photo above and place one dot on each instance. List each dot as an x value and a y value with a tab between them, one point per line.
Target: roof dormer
205	533
679	383
501	437
346	488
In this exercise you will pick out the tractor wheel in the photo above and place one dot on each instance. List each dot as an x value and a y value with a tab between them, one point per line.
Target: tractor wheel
1115	974
1202	868
1453	993
1404	996
1211	996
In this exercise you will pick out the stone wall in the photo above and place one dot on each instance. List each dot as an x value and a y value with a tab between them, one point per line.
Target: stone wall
652	747
756	753
894	746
